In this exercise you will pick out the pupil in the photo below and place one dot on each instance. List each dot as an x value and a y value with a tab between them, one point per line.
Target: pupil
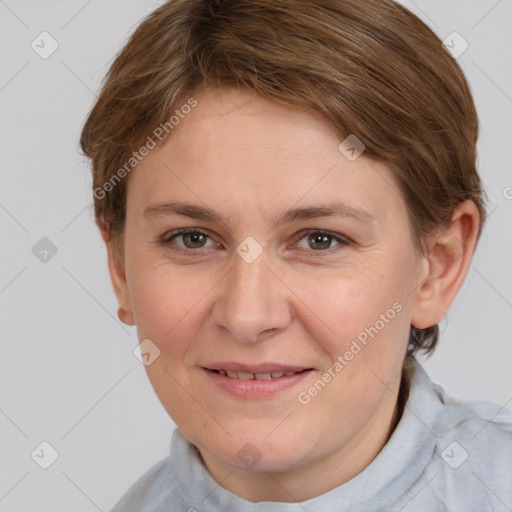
195	238
322	240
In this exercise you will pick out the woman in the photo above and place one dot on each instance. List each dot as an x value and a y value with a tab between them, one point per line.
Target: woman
289	200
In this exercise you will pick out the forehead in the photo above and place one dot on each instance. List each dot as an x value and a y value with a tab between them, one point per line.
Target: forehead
235	151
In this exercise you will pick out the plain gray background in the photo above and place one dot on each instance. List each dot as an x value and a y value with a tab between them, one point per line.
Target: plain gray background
67	369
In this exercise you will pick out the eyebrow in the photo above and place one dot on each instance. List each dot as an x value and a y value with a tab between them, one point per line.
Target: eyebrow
195	211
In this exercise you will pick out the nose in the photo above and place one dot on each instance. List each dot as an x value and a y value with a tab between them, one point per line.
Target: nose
252	303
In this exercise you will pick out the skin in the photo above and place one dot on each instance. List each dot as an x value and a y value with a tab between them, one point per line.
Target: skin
299	303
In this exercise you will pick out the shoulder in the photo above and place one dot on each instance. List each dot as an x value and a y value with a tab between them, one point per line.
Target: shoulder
159	489
485	427
150	493
478	432
472	459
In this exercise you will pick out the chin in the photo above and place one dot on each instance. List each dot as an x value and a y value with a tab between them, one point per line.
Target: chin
257	454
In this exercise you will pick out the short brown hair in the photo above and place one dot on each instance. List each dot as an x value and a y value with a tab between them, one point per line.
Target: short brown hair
369	67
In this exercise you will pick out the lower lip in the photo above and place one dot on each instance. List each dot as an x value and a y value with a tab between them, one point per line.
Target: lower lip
255	388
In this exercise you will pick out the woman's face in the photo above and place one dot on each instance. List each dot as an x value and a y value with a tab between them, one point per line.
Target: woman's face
270	284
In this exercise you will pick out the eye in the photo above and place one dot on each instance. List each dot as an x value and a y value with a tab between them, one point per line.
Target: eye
191	239
321	241
317	242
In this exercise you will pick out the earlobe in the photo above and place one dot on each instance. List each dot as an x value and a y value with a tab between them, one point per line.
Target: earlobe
449	257
117	272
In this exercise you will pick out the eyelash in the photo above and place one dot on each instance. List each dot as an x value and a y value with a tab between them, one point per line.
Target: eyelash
166	241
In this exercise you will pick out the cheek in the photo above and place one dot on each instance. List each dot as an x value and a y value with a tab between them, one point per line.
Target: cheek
166	303
371	325
357	304
369	312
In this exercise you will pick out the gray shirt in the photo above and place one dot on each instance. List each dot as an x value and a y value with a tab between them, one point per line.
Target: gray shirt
444	455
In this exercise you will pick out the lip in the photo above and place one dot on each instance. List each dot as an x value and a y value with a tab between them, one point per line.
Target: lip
256	389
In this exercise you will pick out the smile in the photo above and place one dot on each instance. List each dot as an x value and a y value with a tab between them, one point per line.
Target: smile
257	376
263	382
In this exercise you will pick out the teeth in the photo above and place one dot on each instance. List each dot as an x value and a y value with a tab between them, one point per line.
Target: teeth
245	376
263	376
257	376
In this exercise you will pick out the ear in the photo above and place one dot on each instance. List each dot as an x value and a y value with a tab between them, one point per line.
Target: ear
449	256
116	268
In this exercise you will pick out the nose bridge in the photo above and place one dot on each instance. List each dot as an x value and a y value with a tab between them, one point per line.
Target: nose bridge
253	300
248	282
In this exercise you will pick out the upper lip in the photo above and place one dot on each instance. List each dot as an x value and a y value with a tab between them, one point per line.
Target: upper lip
255	368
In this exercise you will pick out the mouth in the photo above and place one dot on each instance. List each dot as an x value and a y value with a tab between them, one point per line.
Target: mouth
255	382
256	376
